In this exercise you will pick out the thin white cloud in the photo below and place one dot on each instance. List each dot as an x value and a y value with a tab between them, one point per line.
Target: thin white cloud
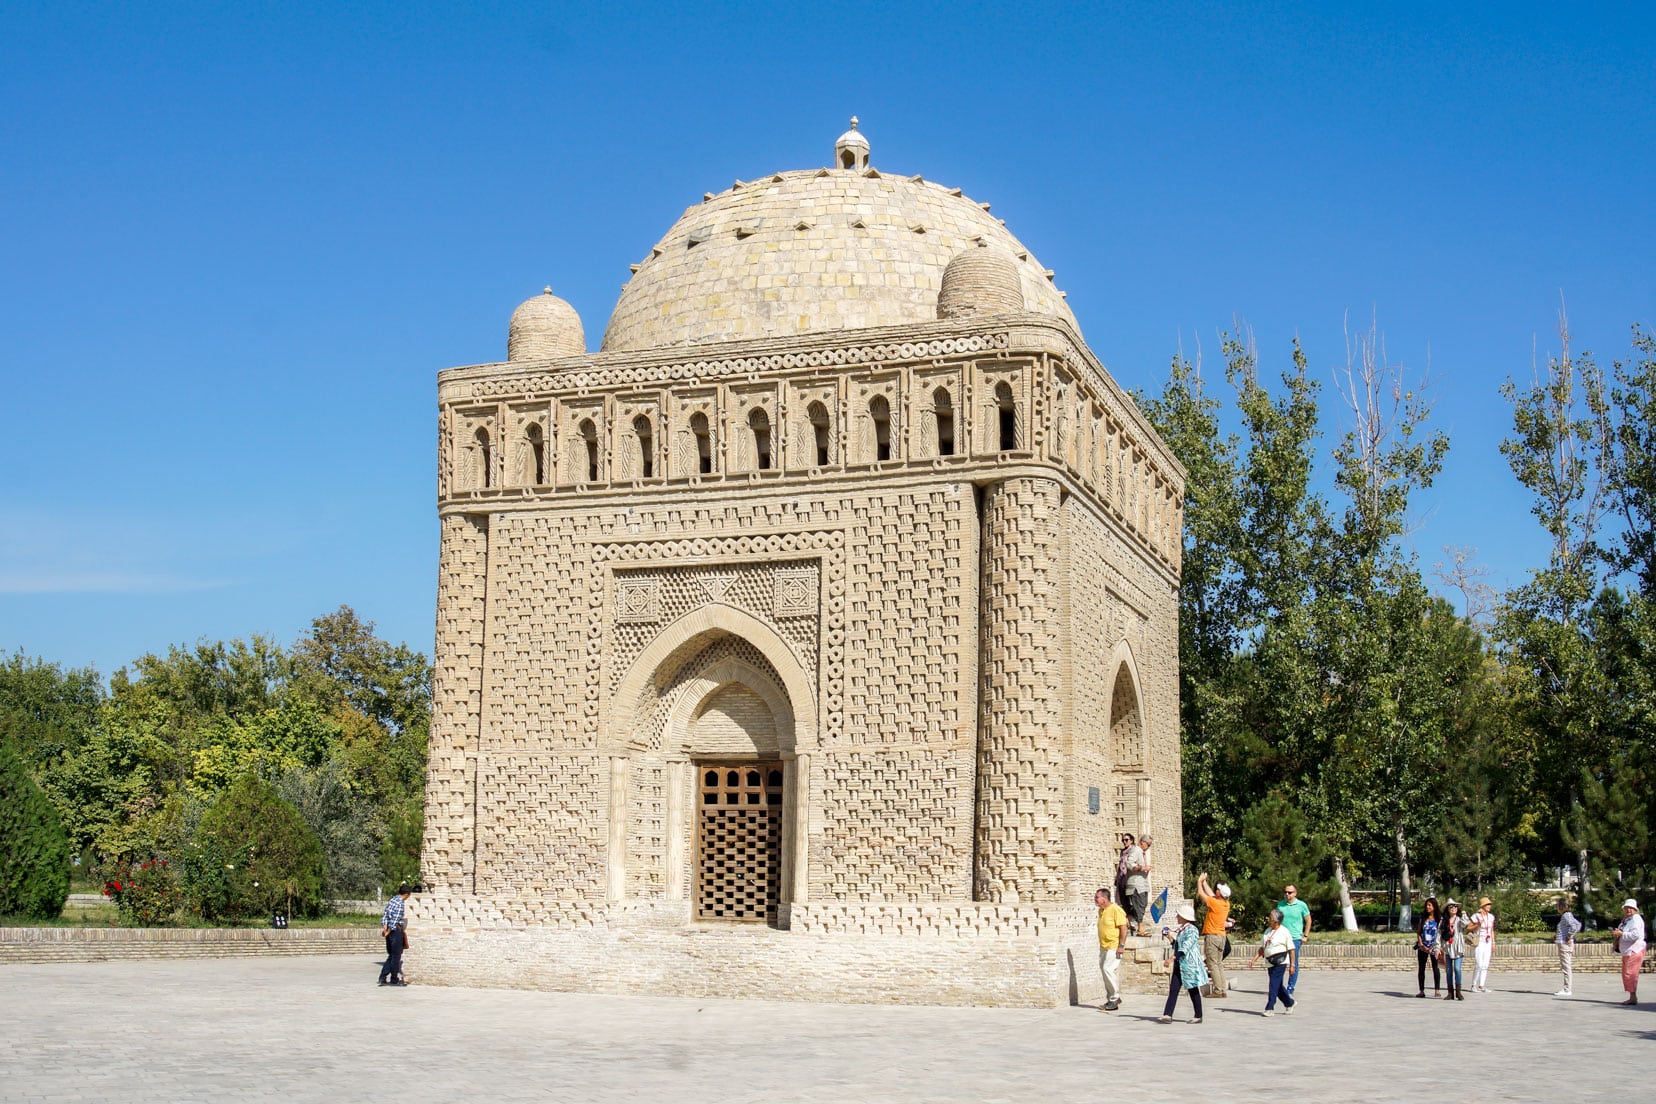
26	581
80	551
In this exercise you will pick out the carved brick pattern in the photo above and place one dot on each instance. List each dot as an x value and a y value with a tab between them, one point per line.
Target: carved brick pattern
1020	784
945	921
581	379
445	451
1095	628
824	539
457	675
749	587
1130	602
908	626
1070	415
542	825
895	825
1124	810
638	601
796	592
646	828
541	655
654	709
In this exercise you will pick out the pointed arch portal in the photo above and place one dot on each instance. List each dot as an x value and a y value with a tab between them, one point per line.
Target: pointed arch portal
721	699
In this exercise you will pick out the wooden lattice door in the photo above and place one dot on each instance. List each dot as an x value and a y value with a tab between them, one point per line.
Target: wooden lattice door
739	841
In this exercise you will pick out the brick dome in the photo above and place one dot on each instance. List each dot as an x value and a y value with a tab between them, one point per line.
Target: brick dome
543	328
980	281
811	250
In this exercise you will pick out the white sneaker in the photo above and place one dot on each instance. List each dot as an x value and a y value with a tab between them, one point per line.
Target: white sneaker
1287	1011
1267	1012
1562	993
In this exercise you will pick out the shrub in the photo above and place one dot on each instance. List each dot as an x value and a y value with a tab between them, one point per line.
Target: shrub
205	884
34	848
146	894
273	860
1517	909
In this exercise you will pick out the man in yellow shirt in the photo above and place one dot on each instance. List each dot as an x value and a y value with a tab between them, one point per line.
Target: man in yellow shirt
1213	932
1112	937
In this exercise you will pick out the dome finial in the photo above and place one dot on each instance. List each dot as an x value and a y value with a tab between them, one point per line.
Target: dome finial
851	149
547	290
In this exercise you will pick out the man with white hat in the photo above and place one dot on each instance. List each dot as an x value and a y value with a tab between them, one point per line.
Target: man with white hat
1213	931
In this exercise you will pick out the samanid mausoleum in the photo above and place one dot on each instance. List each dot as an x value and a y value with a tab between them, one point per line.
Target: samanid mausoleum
817	636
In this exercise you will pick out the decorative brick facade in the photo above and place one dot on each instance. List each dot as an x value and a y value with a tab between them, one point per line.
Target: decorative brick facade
923	557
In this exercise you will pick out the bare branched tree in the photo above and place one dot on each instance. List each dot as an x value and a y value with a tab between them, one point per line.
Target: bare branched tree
1463	573
1380	457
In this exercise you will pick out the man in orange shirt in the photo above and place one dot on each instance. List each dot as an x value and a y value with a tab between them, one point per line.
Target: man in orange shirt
1213	931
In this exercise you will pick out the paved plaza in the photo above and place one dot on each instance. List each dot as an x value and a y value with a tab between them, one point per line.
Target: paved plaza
318	1029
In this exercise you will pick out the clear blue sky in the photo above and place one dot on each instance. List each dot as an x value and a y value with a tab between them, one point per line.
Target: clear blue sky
237	242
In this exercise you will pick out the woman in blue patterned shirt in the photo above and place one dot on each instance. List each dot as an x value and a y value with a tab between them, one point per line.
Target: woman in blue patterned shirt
1427	948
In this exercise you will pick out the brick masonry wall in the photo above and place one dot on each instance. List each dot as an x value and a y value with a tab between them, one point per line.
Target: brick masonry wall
590	627
1021	741
961	954
103	944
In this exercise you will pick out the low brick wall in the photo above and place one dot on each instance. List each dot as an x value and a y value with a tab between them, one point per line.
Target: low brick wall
1590	958
103	944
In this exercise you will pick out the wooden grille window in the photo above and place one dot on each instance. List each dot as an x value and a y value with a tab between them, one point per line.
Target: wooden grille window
739	841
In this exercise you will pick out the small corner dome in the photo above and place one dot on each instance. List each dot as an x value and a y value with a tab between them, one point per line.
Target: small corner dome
980	280
544	328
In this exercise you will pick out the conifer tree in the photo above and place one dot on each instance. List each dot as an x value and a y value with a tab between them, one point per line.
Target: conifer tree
34	849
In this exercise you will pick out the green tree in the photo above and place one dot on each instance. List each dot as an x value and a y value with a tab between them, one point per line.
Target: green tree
1218	781
1277	847
270	743
274	859
34	849
48	715
341	662
1612	823
1251	517
1580	630
1372	618
1314	663
343	824
400	853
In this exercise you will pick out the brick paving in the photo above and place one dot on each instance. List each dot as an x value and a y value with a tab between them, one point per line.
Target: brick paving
318	1029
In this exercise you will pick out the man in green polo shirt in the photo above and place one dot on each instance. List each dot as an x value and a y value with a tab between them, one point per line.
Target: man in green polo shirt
1296	917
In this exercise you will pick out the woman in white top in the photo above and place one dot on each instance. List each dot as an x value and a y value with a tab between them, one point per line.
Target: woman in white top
1481	927
1277	949
1630	942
